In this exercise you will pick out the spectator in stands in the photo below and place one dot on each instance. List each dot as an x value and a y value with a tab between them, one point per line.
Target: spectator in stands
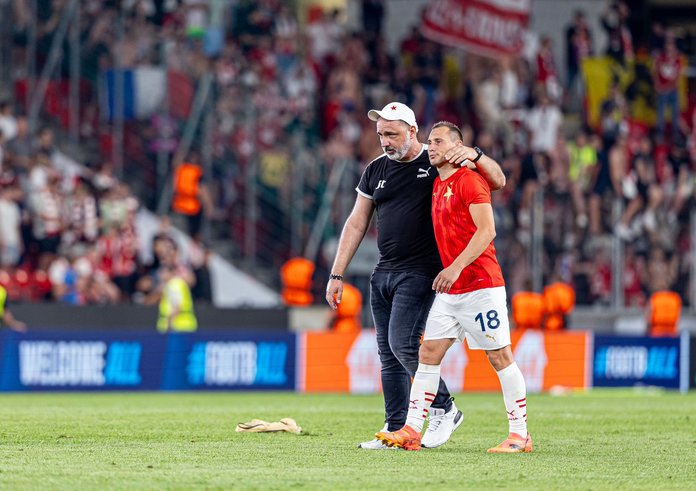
82	224
20	147
582	156
615	23
640	188
613	114
544	123
667	70
199	259
510	92
661	270
680	179
610	172
10	226
372	14
8	122
489	110
93	285
2	151
324	35
547	75
47	217
578	47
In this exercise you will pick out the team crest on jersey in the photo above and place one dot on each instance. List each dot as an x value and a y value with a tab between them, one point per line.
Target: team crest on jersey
423	172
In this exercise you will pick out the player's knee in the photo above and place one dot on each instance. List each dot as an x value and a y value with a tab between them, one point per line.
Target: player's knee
431	353
500	358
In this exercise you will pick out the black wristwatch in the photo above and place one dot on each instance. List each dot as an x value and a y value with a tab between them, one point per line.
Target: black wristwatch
479	152
338	277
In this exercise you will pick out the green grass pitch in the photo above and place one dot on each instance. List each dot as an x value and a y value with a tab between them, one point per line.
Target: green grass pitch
610	439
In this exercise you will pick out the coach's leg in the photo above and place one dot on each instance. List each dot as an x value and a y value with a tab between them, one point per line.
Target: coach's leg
413	297
395	379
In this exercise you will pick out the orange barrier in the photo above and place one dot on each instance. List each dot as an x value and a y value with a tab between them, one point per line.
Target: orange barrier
348	362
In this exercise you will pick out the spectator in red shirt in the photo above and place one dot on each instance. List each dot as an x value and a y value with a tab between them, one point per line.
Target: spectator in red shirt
547	75
667	69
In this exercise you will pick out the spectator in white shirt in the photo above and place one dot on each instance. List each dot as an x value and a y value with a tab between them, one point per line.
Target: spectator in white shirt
8	122
10	226
544	122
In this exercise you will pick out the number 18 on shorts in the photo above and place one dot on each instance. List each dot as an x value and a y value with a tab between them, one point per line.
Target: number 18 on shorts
480	316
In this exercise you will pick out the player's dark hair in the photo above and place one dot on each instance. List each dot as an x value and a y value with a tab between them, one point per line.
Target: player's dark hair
451	126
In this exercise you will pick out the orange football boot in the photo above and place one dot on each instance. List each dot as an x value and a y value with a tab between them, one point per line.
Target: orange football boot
514	444
406	438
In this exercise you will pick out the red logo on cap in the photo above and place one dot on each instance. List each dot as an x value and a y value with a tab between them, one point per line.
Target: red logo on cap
393	108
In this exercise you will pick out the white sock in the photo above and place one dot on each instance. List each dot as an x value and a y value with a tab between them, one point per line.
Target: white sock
515	397
423	392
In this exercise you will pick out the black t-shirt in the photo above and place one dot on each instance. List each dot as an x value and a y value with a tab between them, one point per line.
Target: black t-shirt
402	194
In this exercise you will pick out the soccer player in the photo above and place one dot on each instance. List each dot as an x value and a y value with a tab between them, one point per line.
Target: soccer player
398	185
471	301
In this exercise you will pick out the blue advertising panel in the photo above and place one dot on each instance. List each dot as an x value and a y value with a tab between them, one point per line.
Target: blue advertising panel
692	363
629	361
81	361
60	361
253	361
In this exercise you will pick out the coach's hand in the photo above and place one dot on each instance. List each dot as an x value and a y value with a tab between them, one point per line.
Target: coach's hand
334	292
460	154
445	279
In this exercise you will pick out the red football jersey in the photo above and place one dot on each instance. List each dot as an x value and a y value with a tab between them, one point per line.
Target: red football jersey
454	228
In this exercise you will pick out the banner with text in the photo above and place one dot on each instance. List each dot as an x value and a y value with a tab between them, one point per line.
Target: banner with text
110	361
692	363
348	362
486	27
622	361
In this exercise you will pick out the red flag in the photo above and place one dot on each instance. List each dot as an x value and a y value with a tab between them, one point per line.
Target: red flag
486	27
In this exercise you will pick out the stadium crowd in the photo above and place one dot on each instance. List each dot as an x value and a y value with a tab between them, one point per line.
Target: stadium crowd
67	233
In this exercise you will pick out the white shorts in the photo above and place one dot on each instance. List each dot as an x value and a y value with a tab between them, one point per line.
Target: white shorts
480	316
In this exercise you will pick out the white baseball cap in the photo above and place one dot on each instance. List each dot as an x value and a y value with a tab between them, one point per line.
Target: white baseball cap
395	111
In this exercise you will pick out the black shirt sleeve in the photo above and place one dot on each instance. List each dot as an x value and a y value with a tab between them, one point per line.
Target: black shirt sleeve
366	184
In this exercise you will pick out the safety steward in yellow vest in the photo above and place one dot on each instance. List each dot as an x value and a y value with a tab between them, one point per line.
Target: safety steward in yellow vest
176	312
6	316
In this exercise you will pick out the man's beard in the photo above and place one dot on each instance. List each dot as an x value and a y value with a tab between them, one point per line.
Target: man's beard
400	152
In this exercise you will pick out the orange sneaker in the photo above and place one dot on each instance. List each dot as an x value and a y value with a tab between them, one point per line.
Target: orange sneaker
514	444
406	438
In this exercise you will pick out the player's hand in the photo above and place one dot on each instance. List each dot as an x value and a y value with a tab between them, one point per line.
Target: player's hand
459	154
445	279
334	292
